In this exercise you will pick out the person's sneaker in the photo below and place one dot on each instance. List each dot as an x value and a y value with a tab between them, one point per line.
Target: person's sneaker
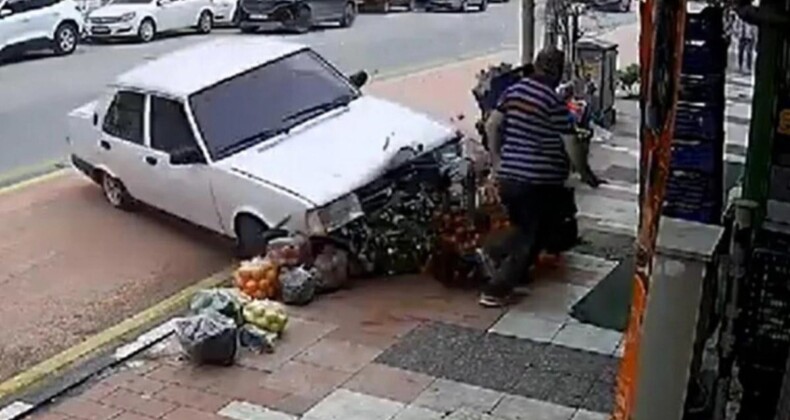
490	301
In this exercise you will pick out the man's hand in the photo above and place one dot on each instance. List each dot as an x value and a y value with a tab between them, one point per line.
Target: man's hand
592	180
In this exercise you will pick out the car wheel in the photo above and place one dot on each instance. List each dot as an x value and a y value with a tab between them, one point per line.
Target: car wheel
250	236
483	5
115	192
66	39
349	15
465	6
147	30
302	20
205	22
412	5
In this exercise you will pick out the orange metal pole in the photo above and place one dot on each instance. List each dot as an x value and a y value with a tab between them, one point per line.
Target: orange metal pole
656	138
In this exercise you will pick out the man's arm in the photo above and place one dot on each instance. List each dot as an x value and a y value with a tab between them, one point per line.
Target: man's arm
494	135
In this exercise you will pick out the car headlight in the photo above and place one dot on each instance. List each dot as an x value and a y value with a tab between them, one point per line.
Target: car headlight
338	213
128	16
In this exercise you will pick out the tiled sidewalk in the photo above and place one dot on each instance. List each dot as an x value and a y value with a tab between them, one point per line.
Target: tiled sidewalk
394	348
402	348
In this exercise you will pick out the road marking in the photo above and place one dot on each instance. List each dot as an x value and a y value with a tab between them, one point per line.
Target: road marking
111	335
29	182
14	410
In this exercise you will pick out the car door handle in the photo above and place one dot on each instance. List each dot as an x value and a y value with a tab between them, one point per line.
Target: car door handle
151	160
105	145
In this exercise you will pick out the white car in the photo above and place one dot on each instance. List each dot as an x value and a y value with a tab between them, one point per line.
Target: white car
258	134
144	19
35	24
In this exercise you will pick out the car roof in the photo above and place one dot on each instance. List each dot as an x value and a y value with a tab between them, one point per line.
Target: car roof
184	72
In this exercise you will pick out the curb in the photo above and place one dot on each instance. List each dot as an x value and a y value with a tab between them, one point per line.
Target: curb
18	402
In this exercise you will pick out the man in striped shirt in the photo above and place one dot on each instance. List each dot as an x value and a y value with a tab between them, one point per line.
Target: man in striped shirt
531	135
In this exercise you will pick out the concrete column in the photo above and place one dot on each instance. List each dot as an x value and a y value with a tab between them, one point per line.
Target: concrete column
669	331
526	30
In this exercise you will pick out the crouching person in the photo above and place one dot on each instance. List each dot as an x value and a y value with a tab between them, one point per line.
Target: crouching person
531	144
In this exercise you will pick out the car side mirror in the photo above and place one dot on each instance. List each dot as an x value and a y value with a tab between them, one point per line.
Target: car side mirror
187	156
160	2
358	79
5	12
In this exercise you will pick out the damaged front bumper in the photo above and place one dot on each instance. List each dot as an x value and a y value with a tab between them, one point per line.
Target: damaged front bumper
387	224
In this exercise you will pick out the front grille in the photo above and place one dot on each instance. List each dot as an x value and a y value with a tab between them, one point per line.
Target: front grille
258	7
105	20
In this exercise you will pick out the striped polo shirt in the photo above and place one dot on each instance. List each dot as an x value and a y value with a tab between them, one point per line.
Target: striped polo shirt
532	149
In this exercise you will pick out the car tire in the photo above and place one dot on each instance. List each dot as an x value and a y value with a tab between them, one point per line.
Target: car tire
205	22
349	15
250	236
115	192
411	5
302	20
147	30
465	8
66	39
248	29
483	5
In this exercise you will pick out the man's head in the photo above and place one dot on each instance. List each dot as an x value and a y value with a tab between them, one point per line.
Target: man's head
550	64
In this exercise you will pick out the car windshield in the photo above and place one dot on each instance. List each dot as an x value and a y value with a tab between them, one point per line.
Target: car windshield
252	107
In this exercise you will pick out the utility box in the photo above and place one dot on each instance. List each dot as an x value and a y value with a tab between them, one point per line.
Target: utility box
596	63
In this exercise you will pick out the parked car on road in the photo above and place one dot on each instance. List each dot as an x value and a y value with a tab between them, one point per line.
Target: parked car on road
456	5
225	12
144	19
294	15
385	6
39	24
258	134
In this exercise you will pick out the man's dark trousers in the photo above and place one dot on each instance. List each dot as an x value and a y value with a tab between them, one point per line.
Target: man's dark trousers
533	211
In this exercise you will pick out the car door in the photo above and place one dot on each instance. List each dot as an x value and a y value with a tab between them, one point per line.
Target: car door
122	146
182	189
14	28
166	15
175	13
41	18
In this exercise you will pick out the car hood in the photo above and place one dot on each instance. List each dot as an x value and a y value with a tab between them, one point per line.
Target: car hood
116	10
341	150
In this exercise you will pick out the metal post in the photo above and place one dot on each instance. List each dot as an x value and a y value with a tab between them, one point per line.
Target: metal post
527	31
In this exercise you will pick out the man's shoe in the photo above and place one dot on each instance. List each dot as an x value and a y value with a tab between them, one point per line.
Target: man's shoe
490	301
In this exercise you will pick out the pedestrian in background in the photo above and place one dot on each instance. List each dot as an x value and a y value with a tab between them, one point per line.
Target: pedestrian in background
531	137
747	41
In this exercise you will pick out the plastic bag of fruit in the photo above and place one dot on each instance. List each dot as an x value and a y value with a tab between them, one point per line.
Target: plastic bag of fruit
266	314
258	278
289	251
297	286
208	338
330	269
227	302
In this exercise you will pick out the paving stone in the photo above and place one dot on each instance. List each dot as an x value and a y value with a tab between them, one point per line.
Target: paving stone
300	335
446	396
574	361
348	405
192	398
296	404
600	399
494	361
388	382
356	335
570	390
128	415
414	412
305	379
140	404
188	413
241	410
444	341
590	415
553	299
522	324
513	407
85	409
588	337
339	355
469	414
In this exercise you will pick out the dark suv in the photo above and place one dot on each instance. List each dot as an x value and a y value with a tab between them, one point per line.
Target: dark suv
293	15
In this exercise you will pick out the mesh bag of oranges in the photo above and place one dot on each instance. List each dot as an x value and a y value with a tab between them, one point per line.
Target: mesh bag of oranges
258	278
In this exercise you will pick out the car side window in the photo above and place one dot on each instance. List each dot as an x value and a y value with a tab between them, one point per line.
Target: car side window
18	6
170	128
124	117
